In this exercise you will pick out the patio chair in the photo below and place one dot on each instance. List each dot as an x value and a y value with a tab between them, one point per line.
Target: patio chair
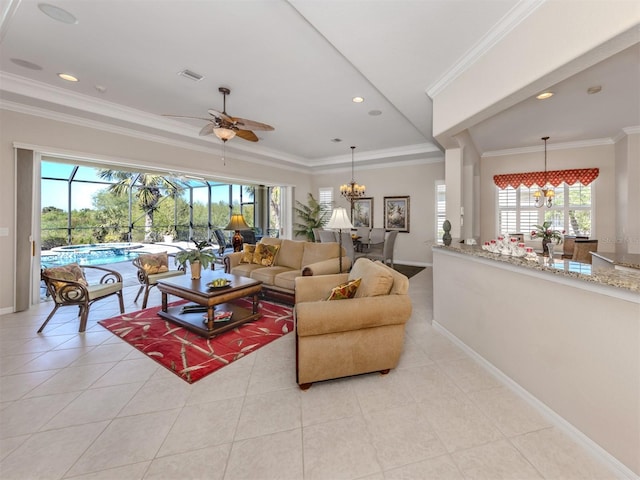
67	286
151	268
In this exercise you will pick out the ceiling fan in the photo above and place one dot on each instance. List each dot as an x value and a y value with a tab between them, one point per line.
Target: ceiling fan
226	127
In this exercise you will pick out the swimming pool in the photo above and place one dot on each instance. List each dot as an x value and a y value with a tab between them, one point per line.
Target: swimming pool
91	254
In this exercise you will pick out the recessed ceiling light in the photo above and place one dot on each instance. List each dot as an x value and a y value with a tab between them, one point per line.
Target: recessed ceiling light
375	113
594	89
26	64
57	13
357	99
191	75
68	77
336	140
544	95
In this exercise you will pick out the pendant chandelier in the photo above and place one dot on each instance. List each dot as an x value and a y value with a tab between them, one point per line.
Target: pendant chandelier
544	195
352	190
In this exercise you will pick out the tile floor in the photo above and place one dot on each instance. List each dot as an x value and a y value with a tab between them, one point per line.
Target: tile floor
89	406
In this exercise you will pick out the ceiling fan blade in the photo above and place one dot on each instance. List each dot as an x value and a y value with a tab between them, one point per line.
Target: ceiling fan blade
243	122
207	129
185	116
221	115
247	135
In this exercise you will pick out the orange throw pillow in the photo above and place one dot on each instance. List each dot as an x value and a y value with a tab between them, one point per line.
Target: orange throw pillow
154	262
345	290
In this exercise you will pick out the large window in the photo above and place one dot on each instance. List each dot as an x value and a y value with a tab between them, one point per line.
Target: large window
571	210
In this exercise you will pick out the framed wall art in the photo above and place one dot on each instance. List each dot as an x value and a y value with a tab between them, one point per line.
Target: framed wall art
396	213
362	212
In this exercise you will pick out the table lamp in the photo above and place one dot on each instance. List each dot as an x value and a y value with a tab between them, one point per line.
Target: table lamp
339	221
237	223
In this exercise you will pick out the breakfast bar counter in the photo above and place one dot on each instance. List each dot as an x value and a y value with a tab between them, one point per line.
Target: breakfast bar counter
564	336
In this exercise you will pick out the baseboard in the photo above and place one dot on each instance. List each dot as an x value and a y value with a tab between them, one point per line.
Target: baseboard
6	310
558	421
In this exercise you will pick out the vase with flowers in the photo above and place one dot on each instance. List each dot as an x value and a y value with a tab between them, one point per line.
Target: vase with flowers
548	235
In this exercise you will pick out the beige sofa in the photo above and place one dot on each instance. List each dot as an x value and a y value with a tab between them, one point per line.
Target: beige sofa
293	259
339	338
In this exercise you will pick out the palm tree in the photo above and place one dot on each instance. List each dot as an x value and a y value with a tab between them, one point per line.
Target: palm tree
149	193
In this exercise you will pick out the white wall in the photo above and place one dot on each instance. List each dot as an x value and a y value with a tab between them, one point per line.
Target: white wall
119	150
417	181
602	157
627	173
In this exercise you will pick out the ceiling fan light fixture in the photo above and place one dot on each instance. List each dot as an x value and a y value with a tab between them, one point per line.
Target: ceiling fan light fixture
223	133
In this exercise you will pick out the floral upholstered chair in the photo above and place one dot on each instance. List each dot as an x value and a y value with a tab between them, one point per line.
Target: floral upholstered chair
67	286
151	268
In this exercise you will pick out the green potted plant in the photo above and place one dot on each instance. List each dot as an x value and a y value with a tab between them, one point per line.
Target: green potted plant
200	257
547	235
311	216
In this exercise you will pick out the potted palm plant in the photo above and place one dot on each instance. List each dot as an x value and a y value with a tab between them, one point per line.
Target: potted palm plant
311	216
200	257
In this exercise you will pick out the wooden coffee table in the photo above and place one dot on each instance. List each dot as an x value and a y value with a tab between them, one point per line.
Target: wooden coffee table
200	318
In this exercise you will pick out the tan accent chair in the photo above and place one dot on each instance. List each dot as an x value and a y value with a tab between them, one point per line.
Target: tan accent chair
66	292
150	280
364	334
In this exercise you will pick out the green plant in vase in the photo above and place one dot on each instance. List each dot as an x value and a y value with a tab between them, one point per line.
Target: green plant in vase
203	256
547	234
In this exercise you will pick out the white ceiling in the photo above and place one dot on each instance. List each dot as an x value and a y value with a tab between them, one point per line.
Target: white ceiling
295	65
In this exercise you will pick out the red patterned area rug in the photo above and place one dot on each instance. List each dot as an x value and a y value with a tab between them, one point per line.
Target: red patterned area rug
190	356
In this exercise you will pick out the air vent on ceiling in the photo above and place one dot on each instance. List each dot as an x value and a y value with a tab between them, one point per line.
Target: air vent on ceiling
196	77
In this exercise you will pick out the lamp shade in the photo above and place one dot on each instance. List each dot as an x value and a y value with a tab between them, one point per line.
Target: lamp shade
236	222
223	133
339	219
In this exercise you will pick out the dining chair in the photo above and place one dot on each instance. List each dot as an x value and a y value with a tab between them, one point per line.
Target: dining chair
386	256
582	249
568	242
328	236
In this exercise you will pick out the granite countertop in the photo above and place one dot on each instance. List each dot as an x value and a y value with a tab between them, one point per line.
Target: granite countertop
616	278
629	260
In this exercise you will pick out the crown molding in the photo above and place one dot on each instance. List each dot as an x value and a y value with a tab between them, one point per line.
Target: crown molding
510	21
596	142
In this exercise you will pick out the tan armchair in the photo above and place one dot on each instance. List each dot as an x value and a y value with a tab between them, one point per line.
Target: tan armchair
151	268
67	286
364	334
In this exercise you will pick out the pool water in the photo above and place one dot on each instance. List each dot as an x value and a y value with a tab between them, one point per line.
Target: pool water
91	254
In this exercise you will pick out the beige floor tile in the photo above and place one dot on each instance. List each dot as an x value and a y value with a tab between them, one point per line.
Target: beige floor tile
228	382
71	379
555	455
377	392
402	436
16	386
510	413
12	363
203	463
104	353
495	461
201	426
429	384
340	449
438	468
468	374
94	405
8	445
269	413
29	415
126	440
460	424
157	395
50	454
128	472
128	371
54	359
277	456
329	401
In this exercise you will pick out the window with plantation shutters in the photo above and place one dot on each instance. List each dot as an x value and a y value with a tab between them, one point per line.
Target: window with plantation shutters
441	208
325	199
571	210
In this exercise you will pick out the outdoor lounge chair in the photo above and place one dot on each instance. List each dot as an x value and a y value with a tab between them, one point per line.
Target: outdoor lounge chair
151	268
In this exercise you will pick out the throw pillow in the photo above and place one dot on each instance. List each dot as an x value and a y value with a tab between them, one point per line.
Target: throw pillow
265	255
376	280
247	253
154	262
71	272
345	290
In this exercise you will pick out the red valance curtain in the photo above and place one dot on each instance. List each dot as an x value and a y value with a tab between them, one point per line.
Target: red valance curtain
555	177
